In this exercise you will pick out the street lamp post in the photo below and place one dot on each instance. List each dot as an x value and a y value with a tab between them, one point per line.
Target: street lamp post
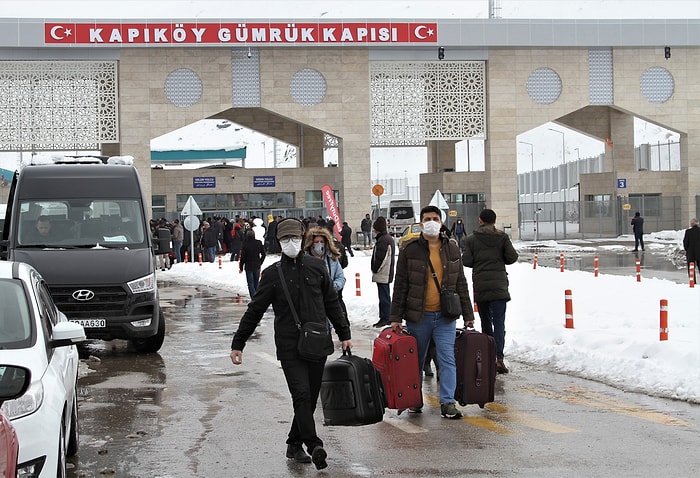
531	188
563	153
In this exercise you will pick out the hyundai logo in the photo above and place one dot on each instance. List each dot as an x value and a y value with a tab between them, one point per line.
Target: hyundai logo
83	295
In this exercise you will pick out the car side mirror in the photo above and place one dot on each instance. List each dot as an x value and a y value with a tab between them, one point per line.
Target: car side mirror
67	333
14	381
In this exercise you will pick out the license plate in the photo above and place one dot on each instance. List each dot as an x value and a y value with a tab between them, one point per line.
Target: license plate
91	323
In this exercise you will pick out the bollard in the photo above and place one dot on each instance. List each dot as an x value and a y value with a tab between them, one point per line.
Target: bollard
639	270
561	262
568	309
358	293
663	320
476	307
691	274
200	259
595	266
219	262
187	257
534	263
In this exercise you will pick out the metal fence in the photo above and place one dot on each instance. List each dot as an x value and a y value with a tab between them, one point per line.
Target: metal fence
590	219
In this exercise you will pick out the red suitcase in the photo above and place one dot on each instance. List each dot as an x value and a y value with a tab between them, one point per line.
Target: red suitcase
475	354
396	358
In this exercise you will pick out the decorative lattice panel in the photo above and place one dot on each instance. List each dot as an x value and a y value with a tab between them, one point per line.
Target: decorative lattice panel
656	84
544	86
308	87
412	102
58	105
245	89
183	87
600	76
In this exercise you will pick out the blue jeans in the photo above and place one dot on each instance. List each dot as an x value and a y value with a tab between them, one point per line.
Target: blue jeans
443	333
212	253
493	322
252	277
178	251
366	238
384	292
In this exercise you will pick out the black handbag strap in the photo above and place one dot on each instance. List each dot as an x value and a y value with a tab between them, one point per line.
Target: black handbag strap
286	294
432	271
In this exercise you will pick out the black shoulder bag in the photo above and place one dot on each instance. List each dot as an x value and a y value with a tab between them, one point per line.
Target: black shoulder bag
450	305
315	341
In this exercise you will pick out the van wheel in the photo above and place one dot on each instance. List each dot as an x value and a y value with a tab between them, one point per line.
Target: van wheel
152	344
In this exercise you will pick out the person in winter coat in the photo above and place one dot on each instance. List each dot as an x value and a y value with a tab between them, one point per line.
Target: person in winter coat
314	299
457	231
366	228
691	245
638	230
320	244
252	257
178	238
417	300
487	252
236	242
382	265
209	240
346	238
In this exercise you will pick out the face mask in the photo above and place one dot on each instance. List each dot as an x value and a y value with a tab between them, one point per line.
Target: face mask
319	248
292	248
431	228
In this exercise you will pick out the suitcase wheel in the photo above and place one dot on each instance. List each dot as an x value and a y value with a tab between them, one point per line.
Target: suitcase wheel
463	404
481	405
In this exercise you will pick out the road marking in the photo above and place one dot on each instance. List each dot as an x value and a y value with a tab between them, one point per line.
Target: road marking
528	420
477	420
584	397
403	425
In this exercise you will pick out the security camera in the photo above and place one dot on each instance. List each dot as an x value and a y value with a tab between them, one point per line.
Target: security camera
250	53
233	177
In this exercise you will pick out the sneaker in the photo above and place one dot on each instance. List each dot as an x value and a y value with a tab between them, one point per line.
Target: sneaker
449	410
415	410
298	453
318	457
501	367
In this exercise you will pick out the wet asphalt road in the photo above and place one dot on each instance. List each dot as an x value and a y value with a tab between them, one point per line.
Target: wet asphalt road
187	412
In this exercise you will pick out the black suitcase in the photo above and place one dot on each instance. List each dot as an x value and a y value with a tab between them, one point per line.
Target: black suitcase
352	391
475	355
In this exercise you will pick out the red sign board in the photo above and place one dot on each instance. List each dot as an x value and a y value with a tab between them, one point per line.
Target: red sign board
329	201
221	33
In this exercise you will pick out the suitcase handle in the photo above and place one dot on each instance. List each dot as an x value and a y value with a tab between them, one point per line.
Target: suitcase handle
347	352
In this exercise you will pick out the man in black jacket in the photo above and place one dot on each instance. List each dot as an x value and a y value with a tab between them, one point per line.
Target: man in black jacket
487	251
691	245
314	299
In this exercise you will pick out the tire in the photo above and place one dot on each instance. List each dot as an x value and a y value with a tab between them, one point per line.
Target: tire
74	432
61	459
154	343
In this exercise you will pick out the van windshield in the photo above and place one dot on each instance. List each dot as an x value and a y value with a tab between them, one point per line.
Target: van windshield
401	212
81	222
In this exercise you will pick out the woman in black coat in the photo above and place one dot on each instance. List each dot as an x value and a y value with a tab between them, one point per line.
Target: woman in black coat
236	242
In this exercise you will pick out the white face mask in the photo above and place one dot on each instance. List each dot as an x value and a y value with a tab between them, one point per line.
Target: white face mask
291	248
431	228
319	248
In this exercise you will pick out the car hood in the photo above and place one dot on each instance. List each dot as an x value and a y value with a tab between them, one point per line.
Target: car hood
97	266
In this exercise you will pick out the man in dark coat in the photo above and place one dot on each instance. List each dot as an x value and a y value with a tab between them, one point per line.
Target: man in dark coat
252	258
638	230
487	252
346	238
382	265
314	299
691	245
417	300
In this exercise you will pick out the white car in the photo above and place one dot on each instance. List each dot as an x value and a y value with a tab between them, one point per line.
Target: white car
34	334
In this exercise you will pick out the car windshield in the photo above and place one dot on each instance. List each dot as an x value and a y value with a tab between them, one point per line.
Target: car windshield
15	323
81	223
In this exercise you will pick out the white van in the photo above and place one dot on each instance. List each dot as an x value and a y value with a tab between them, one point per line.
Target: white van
400	214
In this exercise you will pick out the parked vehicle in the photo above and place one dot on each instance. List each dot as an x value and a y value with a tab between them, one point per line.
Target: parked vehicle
36	335
411	232
14	381
83	225
400	215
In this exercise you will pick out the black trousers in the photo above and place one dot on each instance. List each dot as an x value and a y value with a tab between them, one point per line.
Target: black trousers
304	382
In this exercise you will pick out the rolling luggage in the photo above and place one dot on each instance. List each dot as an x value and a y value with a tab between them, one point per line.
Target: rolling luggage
475	355
352	391
396	358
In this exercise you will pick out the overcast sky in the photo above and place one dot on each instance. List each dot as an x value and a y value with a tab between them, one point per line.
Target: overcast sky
580	9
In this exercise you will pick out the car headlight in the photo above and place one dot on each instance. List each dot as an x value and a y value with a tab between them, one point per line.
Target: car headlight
26	404
144	284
